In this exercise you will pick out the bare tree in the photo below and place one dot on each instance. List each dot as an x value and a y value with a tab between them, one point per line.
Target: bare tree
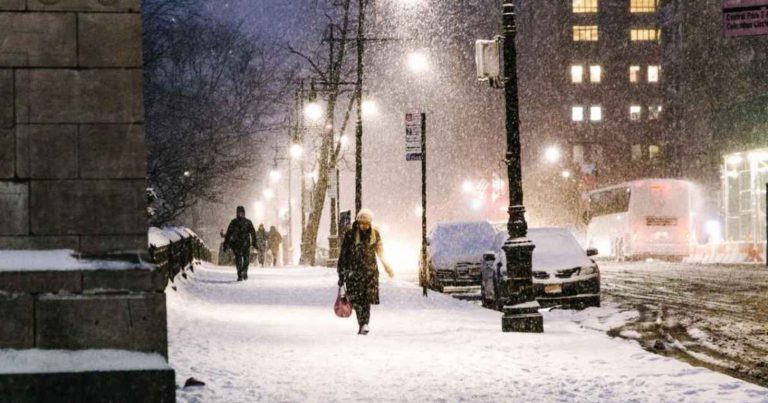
332	70
210	94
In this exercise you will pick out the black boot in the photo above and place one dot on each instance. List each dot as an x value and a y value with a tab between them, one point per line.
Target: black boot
245	276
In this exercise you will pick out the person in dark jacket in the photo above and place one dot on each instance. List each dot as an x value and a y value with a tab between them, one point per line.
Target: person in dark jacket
239	238
261	243
358	269
274	241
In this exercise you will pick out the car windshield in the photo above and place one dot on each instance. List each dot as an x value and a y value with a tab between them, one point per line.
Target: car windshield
556	249
452	242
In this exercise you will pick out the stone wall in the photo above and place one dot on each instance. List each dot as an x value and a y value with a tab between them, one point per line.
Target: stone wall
72	156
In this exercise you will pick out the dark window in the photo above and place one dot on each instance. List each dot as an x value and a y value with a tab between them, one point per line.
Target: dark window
609	202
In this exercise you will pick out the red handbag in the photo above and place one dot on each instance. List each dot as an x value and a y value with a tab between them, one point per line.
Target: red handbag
343	306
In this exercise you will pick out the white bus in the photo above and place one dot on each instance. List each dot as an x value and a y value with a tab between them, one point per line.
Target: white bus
642	219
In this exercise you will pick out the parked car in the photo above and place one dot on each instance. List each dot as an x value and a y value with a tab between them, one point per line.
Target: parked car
455	252
563	272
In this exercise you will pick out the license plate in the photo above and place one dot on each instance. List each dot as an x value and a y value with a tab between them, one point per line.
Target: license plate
553	289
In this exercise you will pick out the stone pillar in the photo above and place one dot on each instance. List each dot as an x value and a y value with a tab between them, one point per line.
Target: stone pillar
73	176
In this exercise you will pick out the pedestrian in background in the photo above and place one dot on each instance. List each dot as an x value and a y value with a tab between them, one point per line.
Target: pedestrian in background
274	241
358	268
239	238
261	244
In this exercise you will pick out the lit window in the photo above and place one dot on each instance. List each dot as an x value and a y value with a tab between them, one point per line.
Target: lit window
635	112
637	152
653	74
654	112
594	74
585	33
643	6
634	74
578	154
584	6
577	114
595	113
577	74
644	35
654	152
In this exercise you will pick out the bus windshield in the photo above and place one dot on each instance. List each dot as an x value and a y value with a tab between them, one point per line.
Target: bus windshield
609	201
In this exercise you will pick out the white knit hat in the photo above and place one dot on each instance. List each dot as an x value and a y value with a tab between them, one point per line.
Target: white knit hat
365	215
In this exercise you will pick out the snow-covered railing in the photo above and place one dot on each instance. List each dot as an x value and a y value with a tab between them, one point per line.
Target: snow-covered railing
175	249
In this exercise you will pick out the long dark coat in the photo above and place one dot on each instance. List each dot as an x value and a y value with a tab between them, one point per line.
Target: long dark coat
240	235
357	265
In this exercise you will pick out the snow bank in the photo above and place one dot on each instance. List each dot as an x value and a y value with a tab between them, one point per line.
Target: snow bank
54	361
156	237
275	338
63	259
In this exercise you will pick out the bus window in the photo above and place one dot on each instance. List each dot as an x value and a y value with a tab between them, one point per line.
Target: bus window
609	202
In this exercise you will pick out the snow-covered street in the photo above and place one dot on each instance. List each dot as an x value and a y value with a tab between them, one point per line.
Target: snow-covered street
275	338
712	315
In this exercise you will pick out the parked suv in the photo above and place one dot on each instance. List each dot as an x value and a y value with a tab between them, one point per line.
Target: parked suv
455	253
563	273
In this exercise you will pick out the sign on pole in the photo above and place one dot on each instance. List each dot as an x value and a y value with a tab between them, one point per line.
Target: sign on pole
745	18
413	151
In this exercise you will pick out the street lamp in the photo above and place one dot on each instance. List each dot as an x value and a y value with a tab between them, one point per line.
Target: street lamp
521	310
566	174
418	62
552	154
297	151
313	111
268	194
370	109
274	176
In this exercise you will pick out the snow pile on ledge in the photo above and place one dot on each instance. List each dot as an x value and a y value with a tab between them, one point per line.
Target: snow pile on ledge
57	361
275	338
56	260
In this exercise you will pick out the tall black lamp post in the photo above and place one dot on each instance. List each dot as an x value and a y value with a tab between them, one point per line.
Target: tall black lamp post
521	309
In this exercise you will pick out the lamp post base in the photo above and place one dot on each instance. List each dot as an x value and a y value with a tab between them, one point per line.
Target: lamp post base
522	318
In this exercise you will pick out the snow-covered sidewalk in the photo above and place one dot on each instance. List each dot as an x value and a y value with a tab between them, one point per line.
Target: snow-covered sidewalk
275	338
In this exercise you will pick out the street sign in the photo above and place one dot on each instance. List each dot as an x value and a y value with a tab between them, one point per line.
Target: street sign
413	151
745	18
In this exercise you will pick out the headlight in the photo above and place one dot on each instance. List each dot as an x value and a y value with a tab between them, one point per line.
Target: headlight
588	270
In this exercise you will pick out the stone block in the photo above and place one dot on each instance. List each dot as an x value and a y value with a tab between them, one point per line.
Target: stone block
7	154
38	39
94	207
79	96
140	280
14	208
109	40
6	99
41	282
46	151
17	327
95	244
12	5
39	242
90	386
85	5
112	151
134	322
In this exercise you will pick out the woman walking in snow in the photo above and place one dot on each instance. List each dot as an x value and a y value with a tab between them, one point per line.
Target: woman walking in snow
358	268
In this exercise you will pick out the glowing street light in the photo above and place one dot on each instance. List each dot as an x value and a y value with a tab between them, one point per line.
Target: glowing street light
274	176
313	111
418	62
566	174
552	154
370	109
268	194
467	186
297	151
418	211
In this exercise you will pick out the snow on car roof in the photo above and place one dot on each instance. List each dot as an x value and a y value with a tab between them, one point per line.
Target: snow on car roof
556	249
452	242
